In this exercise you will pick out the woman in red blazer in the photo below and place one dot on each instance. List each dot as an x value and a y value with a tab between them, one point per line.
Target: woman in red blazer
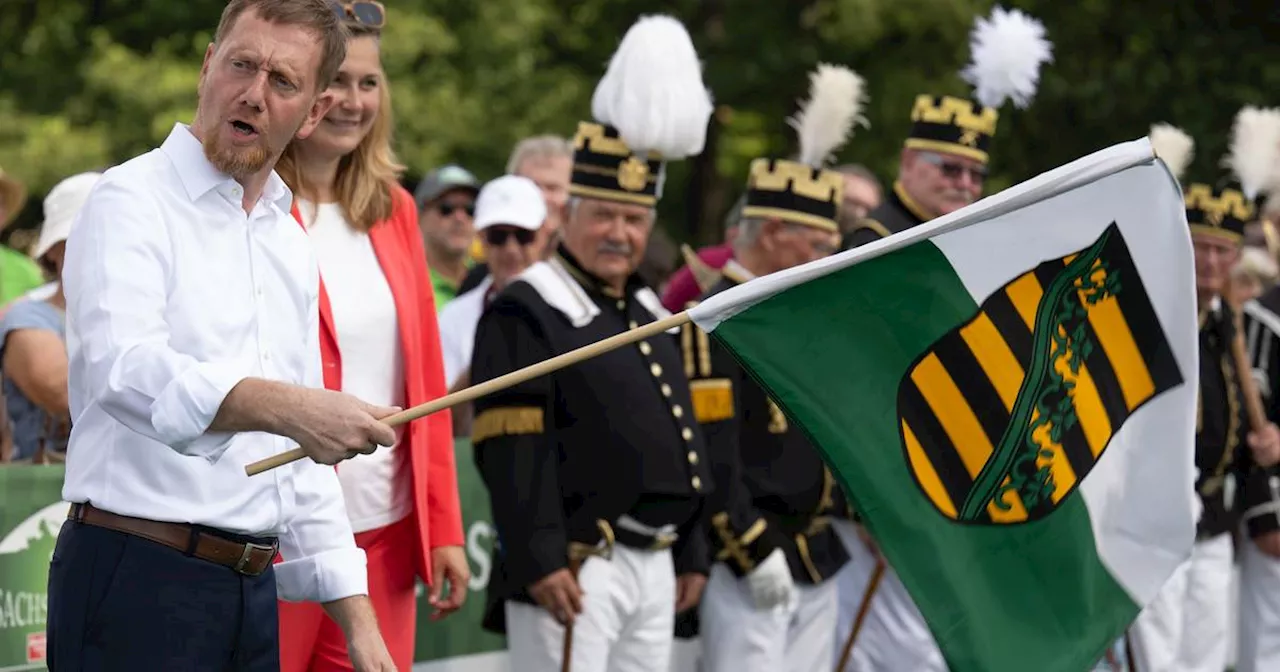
380	341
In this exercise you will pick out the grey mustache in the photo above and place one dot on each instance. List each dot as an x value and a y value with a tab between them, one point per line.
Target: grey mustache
614	248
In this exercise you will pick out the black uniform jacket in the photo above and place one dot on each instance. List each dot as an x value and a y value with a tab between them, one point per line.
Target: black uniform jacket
772	488
898	213
1260	507
1222	454
566	455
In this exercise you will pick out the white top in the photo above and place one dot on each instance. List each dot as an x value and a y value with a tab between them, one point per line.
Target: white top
173	297
458	320
376	487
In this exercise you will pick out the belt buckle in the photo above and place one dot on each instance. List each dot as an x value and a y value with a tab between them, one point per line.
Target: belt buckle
249	548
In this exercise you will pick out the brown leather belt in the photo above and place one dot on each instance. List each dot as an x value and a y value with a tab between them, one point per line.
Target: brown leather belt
244	558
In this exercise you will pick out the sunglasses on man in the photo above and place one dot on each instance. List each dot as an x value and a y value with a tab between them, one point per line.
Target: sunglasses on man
446	209
365	12
497	236
952	170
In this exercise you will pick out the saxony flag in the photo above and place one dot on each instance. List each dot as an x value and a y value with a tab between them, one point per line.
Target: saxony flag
1008	395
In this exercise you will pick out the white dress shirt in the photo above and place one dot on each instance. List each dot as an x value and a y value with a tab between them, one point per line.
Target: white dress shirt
458	321
174	296
376	486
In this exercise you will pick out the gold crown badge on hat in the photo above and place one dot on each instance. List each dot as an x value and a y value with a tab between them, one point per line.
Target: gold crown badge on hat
1007	50
650	107
804	191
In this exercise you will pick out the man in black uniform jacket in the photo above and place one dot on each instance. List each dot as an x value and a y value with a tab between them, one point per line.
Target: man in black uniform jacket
942	168
597	472
769	604
1185	627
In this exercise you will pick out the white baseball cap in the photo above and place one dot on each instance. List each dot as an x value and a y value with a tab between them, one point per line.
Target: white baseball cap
60	209
512	200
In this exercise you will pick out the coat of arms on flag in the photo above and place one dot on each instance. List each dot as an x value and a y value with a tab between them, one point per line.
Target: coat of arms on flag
1005	415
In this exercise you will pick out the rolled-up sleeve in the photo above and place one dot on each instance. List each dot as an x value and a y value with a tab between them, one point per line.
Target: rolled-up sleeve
321	560
115	277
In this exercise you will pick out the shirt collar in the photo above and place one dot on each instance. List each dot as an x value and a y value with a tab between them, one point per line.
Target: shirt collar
736	272
199	176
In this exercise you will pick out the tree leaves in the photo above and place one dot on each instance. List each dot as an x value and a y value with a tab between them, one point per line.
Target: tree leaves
86	83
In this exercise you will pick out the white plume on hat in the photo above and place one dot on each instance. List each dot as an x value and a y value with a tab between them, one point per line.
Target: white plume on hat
653	93
1173	146
1254	153
1006	50
825	122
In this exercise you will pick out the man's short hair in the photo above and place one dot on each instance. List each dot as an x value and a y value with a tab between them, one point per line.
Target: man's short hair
860	171
538	147
316	16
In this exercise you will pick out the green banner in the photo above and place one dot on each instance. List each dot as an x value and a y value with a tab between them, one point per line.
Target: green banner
31	512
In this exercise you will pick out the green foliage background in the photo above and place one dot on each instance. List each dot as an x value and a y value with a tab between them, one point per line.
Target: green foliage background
87	83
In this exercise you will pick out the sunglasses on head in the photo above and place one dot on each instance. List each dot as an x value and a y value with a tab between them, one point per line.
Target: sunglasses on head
365	12
952	170
446	209
497	236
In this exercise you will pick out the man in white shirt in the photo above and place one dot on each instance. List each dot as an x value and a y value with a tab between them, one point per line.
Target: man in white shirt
193	342
509	213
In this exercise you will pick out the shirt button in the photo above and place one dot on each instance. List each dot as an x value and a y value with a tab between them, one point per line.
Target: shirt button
677	411
655	369
266	356
645	348
633	324
696	482
686	434
259	291
622	305
693	457
666	390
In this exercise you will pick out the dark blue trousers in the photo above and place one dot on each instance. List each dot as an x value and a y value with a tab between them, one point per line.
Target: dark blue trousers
120	602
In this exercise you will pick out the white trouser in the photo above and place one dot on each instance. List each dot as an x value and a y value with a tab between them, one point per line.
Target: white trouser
738	637
1185	628
1259	621
626	625
686	655
894	636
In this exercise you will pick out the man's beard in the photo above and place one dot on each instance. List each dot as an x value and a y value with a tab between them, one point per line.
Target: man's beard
238	162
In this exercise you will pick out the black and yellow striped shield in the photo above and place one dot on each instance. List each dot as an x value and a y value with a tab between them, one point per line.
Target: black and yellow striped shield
1005	415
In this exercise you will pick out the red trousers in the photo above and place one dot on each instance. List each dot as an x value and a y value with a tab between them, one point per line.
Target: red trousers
311	642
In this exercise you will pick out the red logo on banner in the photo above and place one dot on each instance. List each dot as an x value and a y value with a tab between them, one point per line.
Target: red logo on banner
35	647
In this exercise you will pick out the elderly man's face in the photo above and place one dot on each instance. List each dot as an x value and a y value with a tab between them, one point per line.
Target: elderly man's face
860	197
788	245
258	90
608	238
1214	258
941	183
551	174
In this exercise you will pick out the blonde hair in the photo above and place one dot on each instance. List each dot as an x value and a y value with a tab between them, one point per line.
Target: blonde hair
365	176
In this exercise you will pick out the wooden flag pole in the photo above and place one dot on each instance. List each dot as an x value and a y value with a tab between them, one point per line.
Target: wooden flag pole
867	594
500	383
1244	368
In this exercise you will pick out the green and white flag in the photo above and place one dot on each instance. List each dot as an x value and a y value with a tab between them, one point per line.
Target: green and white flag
1008	393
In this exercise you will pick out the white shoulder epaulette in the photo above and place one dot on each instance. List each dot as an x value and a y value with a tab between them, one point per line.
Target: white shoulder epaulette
558	288
653	304
1263	315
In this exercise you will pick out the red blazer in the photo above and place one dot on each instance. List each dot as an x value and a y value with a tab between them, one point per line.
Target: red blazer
397	242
